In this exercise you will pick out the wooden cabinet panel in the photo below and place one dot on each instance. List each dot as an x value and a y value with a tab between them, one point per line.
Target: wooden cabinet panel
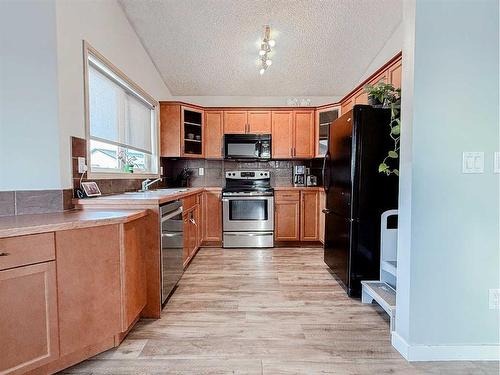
287	220
170	130
88	275
197	224
259	122
287	195
235	122
213	134
187	238
212	216
309	216
133	271
381	77
322	205
192	132
361	97
24	250
394	73
28	325
282	134
303	134
347	105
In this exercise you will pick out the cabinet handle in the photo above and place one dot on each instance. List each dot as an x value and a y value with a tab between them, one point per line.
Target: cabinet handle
4	254
291	151
193	221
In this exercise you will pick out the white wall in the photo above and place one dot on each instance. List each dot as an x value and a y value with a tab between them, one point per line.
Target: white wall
448	250
104	25
29	133
391	48
249	101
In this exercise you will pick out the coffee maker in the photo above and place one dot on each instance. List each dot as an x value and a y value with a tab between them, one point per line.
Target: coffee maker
299	175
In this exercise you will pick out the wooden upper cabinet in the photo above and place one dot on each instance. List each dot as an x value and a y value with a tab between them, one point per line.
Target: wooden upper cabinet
213	134
309	216
303	134
394	73
361	96
259	122
170	130
282	134
192	132
235	122
29	335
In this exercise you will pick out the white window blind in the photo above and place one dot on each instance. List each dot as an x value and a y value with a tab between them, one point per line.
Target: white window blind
118	114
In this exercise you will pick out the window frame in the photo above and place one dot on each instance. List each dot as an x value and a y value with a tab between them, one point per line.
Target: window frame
114	174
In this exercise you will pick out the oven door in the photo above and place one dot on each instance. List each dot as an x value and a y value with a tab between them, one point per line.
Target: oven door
248	213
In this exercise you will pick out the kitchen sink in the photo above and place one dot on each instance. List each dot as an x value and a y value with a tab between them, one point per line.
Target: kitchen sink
160	191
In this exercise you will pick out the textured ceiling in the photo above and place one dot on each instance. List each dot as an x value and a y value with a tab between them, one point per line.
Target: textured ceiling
210	47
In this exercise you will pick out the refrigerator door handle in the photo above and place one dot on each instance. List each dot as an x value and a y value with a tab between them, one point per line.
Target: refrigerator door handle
326	211
324	173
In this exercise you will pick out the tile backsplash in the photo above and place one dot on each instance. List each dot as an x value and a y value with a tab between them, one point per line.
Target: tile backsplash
281	170
24	202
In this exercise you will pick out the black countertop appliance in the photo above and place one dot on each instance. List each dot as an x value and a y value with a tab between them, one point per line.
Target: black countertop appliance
357	194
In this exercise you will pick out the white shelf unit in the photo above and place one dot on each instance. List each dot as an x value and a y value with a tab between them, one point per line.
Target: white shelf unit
383	291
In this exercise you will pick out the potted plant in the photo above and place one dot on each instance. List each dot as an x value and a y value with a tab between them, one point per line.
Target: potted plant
382	94
127	160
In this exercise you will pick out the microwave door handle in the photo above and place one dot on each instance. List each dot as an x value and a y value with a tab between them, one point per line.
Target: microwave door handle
258	149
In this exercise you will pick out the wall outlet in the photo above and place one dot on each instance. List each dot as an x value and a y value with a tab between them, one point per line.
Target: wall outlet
494	299
473	162
82	167
201	171
496	162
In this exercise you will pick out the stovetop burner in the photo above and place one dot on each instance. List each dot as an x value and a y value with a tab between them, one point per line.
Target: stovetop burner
248	183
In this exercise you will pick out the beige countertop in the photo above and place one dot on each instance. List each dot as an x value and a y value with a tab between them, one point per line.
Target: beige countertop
140	199
294	188
21	225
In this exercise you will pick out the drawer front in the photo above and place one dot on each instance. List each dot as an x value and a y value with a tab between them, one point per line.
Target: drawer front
287	195
188	202
24	250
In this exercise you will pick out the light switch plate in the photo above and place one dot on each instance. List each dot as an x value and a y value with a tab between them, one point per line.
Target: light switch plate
473	162
161	171
82	168
201	171
494	299
496	162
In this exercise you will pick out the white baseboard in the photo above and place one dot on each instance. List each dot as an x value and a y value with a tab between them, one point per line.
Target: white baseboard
445	352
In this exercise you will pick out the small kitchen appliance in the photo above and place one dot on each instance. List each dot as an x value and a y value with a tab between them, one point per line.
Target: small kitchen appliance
312	180
248	209
299	175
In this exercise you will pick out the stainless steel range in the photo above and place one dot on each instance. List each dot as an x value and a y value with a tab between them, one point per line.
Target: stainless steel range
248	209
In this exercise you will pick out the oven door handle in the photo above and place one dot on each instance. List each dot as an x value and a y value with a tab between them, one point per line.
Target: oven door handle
248	234
247	198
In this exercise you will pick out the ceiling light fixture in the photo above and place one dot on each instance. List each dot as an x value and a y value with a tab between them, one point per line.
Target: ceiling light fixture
265	50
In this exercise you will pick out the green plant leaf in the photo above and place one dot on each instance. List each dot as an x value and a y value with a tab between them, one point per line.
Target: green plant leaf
395	130
383	167
393	154
396	172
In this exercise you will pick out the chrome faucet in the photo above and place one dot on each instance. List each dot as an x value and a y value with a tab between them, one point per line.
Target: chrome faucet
147	183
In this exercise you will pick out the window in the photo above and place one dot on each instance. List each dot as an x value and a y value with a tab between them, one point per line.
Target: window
122	122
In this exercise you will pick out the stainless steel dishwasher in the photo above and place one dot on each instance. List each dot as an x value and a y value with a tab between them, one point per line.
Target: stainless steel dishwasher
172	243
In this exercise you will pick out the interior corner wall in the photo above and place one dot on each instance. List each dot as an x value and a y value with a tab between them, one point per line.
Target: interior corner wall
252	101
29	132
104	25
448	244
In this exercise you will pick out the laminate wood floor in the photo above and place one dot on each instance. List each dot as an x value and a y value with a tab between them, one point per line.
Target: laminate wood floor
270	311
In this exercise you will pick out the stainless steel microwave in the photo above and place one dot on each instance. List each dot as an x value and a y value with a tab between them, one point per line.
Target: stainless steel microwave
247	146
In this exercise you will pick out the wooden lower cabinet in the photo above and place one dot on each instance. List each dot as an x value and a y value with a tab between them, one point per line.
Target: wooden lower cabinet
88	275
309	216
212	216
296	215
192	229
28	326
321	214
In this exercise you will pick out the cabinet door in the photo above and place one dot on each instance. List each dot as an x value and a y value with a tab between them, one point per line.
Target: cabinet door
361	97
198	224
170	130
394	72
213	134
282	134
212	216
235	122
346	106
133	271
287	220
259	122
309	216
192	137
381	77
303	134
28	310
187	237
88	278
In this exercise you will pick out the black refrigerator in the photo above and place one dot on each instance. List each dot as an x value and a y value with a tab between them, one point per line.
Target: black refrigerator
357	194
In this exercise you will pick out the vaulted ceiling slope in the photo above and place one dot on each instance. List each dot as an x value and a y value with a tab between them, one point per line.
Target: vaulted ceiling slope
210	47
